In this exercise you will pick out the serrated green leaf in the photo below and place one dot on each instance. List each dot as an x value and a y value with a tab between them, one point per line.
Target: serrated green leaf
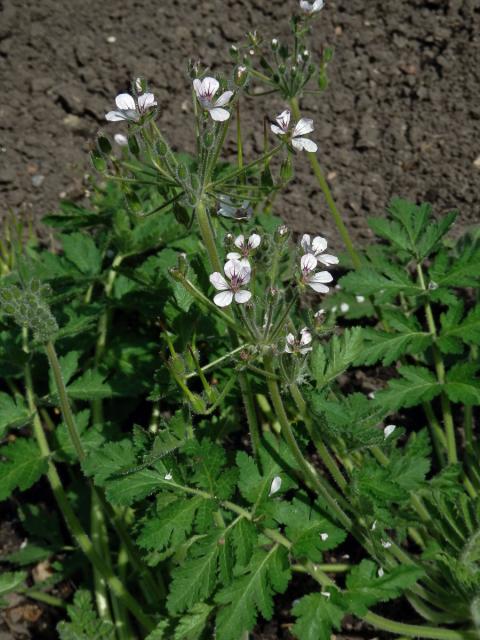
251	592
317	615
391	346
462	271
367	281
193	623
23	466
462	385
112	458
81	250
416	384
84	623
13	413
10	581
328	362
365	587
170	525
196	579
90	385
454	330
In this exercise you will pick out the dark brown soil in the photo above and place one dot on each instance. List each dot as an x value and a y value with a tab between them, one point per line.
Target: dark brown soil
401	116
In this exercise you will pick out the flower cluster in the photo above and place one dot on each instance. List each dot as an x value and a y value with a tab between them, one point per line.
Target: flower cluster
313	253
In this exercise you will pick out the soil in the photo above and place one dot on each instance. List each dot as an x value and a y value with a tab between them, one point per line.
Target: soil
401	115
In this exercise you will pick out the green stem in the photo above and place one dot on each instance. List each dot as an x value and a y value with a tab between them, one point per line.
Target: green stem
416	631
207	234
307	470
251	413
324	453
216	363
47	598
440	370
323	184
115	585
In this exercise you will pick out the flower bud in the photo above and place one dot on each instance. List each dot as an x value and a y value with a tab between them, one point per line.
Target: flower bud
272	293
208	139
104	145
319	317
177	365
286	169
176	274
98	161
234	52
274	44
281	69
133	145
240	75
282	234
228	240
182	172
182	263
305	55
162	148
140	85
181	214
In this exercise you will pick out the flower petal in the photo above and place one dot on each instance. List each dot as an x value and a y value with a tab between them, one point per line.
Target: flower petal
327	259
304	144
197	86
120	139
277	130
305	243
234	256
254	241
125	101
219	281
232	268
319	288
319	245
245	272
218	114
239	241
275	486
224	99
116	116
318	5
308	263
223	299
290	339
389	429
303	126
305	337
209	86
242	296
283	120
321	276
146	101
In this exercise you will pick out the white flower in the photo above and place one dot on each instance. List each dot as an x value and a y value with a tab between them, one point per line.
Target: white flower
246	247
360	299
239	275
317	247
299	345
371	395
120	139
381	573
386	544
389	429
168	476
275	486
238	212
205	90
128	110
311	7
344	307
303	126
315	280
324	536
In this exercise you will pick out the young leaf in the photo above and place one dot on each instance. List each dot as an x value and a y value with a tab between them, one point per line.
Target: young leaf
23	467
317	615
193	623
462	385
9	582
365	587
329	362
416	385
81	250
84	623
13	413
251	592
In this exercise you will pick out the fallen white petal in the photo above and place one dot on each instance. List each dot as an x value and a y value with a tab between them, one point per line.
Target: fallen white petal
389	429
275	486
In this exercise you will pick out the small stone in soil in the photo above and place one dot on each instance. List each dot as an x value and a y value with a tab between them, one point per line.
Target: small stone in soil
37	180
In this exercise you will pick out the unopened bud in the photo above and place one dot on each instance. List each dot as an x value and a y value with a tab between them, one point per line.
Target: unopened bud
182	263
98	161
282	68
228	240
181	214
140	85
320	317
286	169
282	233
177	365
133	145
162	148
240	75
104	145
244	356
432	285
275	44
305	55
176	274
234	52
182	172
272	293
209	139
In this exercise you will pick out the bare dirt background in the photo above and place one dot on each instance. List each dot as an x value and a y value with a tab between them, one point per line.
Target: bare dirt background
401	115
